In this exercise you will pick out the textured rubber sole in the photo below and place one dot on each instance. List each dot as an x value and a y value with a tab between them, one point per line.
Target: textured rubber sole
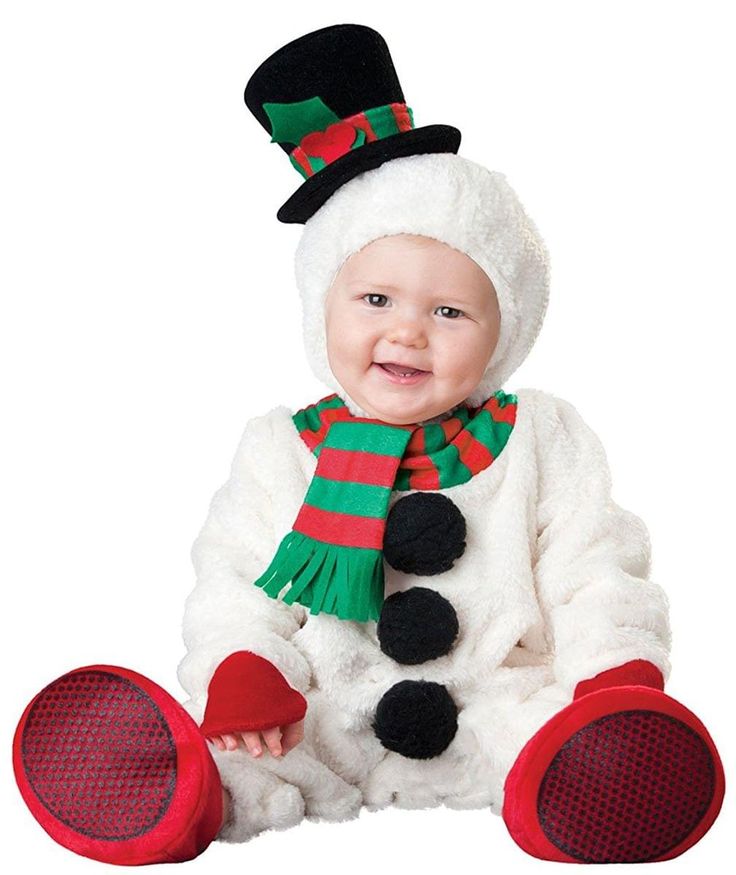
622	775
113	768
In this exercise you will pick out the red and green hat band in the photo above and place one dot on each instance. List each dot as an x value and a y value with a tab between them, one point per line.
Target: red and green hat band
322	136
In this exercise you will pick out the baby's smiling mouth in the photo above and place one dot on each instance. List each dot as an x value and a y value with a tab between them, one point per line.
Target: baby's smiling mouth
403	374
400	370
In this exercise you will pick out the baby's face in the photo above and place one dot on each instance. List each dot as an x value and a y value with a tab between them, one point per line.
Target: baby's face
410	304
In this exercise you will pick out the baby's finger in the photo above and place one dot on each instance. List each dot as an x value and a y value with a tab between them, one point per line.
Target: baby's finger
272	737
231	742
218	742
253	742
293	734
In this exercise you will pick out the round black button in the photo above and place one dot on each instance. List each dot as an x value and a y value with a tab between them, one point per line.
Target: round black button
416	625
417	719
425	534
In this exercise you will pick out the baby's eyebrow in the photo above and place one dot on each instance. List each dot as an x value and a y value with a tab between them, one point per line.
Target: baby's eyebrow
372	285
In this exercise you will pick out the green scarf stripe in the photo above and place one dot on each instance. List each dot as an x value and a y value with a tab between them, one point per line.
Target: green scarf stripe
358	499
490	433
384	440
308	419
331	402
401	484
302	420
434	438
453	472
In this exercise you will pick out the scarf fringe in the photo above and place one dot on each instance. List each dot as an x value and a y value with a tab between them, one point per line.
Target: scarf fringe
349	580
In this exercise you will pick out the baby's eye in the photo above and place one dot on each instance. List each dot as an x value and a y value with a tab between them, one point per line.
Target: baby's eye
375	300
450	312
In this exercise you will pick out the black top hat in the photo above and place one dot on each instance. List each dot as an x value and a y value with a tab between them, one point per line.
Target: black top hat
331	99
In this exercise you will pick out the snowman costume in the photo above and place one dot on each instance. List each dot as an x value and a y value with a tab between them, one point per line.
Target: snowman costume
551	589
515	651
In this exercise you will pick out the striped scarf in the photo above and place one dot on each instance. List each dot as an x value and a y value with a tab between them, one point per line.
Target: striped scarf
332	556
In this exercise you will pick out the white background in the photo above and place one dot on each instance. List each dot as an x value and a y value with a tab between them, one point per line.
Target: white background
149	310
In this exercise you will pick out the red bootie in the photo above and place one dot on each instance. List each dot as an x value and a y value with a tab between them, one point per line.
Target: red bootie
113	768
621	775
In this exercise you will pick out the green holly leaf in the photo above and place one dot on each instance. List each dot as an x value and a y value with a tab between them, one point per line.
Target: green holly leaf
291	121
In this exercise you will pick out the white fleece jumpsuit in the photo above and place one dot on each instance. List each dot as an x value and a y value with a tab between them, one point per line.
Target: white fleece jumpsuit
552	588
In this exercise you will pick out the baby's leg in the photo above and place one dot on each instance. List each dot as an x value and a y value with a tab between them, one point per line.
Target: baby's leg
621	775
270	792
256	800
496	724
114	769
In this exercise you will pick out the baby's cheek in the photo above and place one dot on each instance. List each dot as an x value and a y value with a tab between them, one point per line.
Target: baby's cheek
475	360
355	347
463	378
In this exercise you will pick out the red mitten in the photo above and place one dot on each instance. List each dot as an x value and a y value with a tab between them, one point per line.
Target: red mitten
248	693
638	672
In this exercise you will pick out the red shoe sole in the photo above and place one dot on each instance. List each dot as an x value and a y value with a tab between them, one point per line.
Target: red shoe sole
622	775
113	768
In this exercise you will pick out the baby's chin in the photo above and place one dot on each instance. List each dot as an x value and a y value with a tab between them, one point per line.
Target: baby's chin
401	411
395	404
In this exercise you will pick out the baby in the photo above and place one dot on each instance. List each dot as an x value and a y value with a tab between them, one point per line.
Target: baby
416	591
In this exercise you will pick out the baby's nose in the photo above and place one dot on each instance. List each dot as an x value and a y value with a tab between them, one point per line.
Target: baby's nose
409	332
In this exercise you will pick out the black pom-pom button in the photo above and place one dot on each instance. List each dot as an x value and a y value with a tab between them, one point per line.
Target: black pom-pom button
425	534
417	719
416	625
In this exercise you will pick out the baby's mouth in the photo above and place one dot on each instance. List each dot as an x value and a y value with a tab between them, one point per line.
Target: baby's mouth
400	370
401	375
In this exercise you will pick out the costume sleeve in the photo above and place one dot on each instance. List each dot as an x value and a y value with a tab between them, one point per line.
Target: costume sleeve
593	560
226	613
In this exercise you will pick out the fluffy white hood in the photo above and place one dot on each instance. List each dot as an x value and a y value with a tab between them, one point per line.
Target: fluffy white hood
449	198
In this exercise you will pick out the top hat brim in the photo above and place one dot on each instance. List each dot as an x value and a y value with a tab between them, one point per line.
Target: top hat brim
313	193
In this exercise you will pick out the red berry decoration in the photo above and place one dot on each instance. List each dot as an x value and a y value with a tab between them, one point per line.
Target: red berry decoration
331	143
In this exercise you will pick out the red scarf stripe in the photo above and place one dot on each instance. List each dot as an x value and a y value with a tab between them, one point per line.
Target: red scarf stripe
357	466
451	427
326	416
505	414
360	120
473	454
426	476
344	529
311	439
415	447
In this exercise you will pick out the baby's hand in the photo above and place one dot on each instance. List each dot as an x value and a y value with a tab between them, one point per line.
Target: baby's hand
278	742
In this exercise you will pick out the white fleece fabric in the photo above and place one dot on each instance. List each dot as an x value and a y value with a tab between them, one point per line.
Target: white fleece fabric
553	588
